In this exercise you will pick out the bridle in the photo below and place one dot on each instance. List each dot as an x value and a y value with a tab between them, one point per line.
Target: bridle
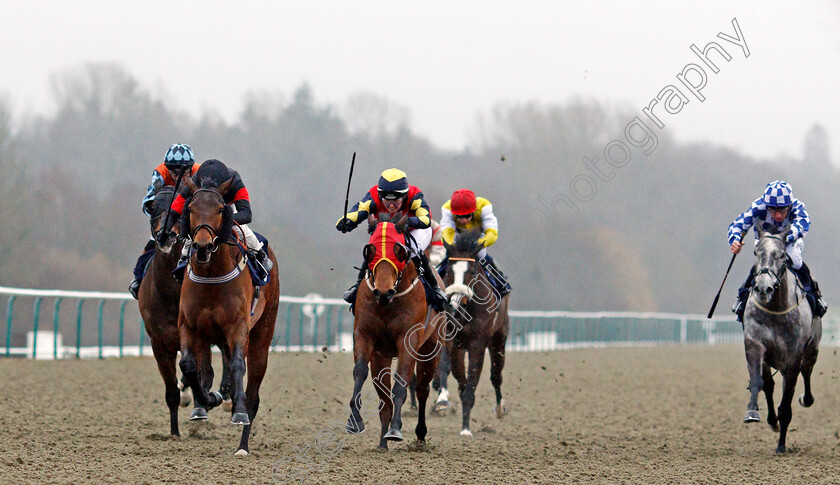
396	283
213	233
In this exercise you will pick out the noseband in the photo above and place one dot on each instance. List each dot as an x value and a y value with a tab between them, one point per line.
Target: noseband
396	283
773	274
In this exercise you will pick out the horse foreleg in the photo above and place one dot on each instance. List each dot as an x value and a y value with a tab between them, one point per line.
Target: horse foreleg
189	366
755	355
205	375
497	364
425	373
257	364
405	369
166	365
236	342
362	350
380	368
785	411
769	387
477	350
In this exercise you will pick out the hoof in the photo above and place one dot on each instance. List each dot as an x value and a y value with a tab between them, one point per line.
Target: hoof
227	405
240	419
805	402
393	435
752	417
241	452
355	427
186	398
441	407
780	450
501	409
466	432
198	413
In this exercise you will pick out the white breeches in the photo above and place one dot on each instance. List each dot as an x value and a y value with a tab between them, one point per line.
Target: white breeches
422	237
795	252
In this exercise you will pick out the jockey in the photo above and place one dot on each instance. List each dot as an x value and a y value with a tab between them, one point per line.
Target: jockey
217	173
393	196
776	210
177	162
465	211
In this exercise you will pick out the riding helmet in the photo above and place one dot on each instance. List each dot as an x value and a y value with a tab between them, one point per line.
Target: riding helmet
778	194
179	156
392	184
463	202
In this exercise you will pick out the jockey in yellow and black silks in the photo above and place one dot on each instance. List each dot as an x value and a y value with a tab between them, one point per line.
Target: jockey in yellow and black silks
465	212
394	197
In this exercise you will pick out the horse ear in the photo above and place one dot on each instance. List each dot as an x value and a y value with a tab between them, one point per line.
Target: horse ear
191	184
368	252
401	252
401	224
449	248
223	189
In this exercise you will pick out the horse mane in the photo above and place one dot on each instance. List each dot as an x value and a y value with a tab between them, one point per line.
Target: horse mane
225	233
467	241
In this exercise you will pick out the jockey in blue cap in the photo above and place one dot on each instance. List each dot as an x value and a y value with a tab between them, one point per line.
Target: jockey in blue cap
777	210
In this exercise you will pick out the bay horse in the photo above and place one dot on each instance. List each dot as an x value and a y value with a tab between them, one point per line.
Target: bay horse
391	321
482	322
220	305
779	332
158	297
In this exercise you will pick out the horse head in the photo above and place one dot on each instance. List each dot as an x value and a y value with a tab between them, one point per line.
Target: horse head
385	247
462	272
770	265
207	219
160	207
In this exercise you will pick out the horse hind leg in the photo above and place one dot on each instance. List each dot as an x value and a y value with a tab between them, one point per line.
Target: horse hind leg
206	376
440	383
769	387
809	359
190	368
257	364
166	365
225	385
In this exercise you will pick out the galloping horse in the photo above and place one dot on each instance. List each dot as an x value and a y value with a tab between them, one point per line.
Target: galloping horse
158	297
219	305
391	322
482	323
779	332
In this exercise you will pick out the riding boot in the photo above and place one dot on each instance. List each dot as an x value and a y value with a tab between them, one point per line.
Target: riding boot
262	258
350	294
140	268
441	268
502	284
438	299
743	294
812	287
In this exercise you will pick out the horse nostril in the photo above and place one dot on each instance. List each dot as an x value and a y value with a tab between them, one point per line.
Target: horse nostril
391	293
376	293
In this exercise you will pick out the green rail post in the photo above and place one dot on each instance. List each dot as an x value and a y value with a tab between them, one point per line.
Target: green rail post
79	329
9	312
288	326
300	328
55	327
142	334
330	309
122	325
35	319
340	325
315	329
101	304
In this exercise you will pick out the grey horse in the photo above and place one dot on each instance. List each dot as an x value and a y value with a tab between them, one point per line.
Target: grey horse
780	332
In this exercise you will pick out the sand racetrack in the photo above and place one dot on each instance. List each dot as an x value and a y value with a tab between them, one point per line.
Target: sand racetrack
623	415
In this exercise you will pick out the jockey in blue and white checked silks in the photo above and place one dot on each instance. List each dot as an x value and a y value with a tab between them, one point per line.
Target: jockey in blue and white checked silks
776	211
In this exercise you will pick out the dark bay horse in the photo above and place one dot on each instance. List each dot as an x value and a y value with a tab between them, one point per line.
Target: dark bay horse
218	306
779	332
482	323
391	322
158	297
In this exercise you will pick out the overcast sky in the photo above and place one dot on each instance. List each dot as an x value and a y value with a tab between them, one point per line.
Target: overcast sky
449	61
